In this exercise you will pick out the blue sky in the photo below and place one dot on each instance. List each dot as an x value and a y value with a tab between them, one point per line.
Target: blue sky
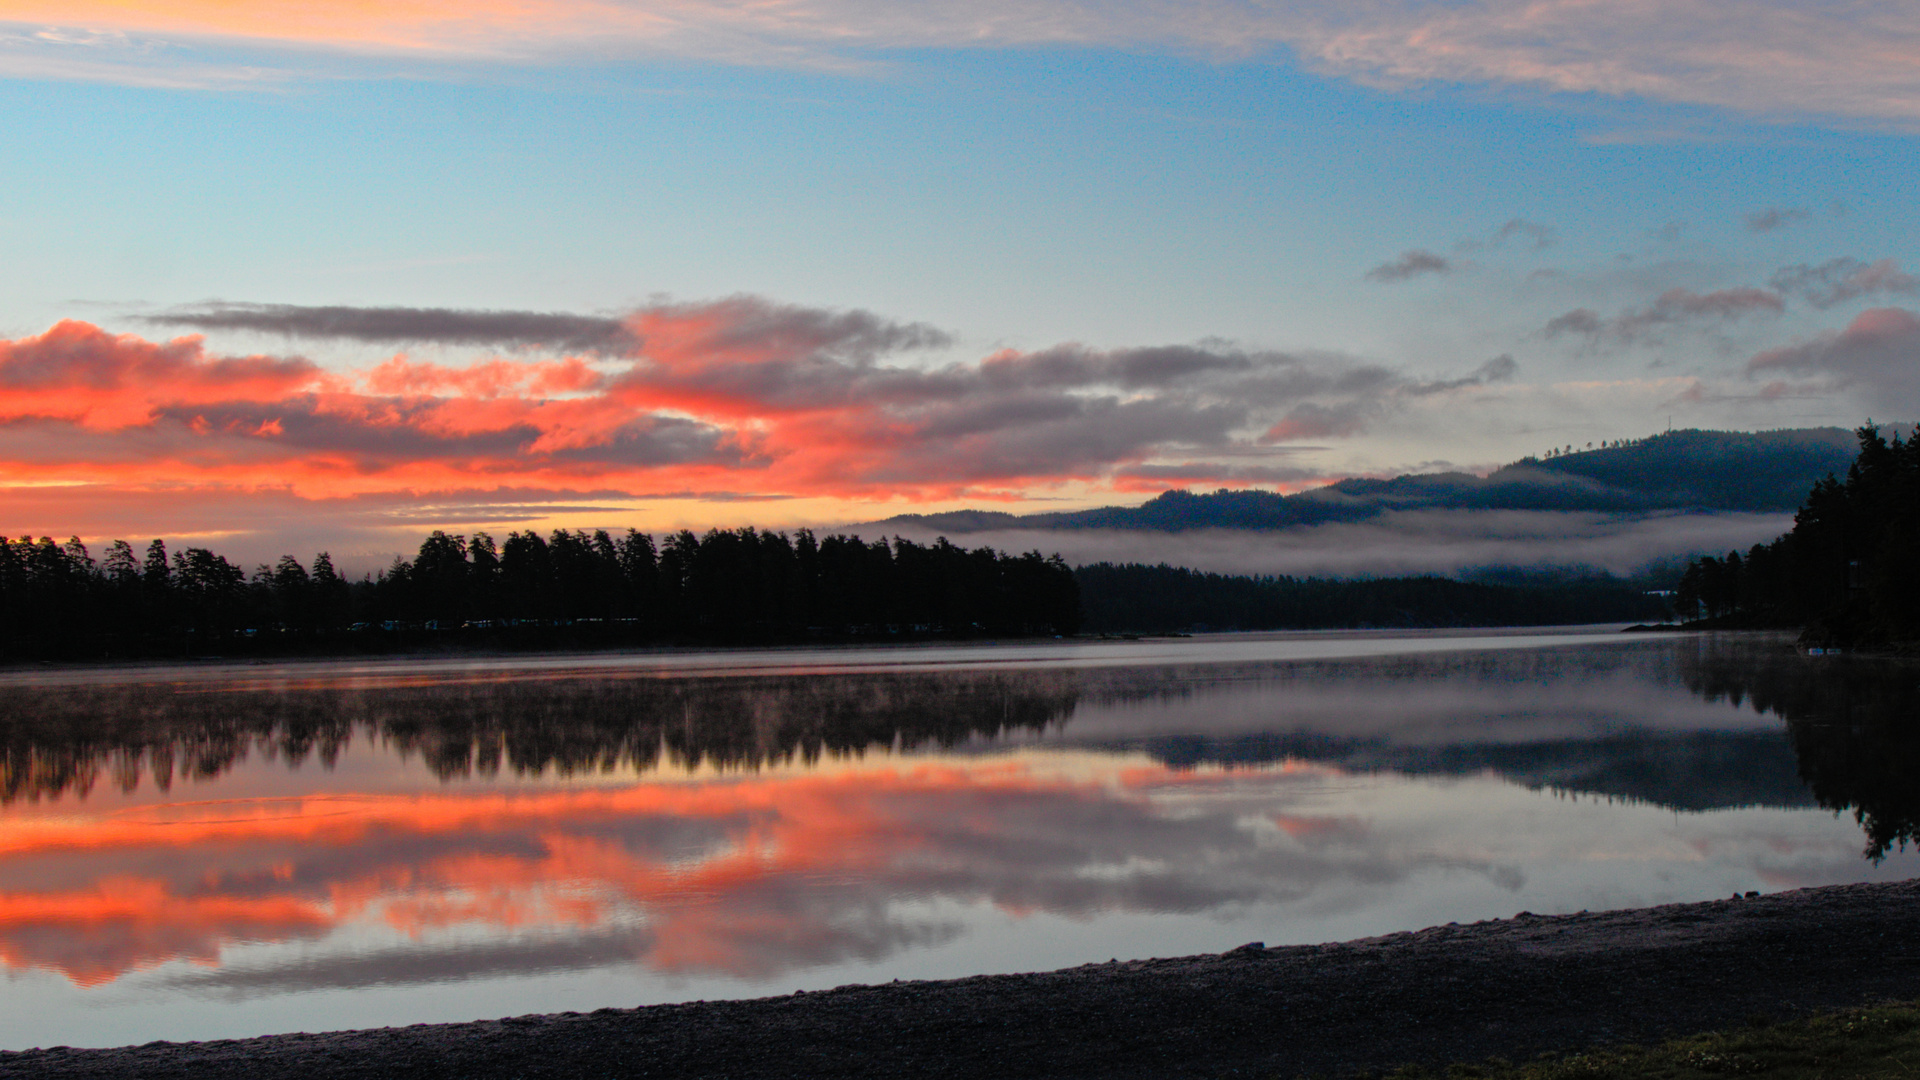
1601	218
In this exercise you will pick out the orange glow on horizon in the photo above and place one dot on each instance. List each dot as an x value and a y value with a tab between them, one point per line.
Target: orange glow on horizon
114	420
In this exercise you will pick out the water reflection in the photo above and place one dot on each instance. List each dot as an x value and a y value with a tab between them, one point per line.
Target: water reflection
56	741
1854	723
421	836
1589	720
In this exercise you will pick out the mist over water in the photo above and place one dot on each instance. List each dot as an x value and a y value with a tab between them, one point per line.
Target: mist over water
197	853
1396	543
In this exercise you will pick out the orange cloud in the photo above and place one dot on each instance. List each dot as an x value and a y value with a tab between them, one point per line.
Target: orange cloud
98	933
79	373
434	26
740	395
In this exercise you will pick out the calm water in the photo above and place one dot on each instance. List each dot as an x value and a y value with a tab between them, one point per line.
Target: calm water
209	852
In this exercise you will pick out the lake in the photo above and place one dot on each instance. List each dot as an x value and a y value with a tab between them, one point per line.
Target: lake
215	850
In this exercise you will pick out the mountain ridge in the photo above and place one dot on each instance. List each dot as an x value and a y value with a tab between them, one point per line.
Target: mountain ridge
1687	470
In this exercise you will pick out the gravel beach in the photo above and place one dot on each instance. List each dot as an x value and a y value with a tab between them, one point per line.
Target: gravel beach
1510	987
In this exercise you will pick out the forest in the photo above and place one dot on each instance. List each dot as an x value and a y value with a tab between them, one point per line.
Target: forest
1133	597
1846	572
741	586
570	589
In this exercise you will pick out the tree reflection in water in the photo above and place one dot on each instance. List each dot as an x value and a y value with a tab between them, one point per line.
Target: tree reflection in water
64	740
1177	795
1854	723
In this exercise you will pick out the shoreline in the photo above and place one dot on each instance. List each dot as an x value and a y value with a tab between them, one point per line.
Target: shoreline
720	659
1509	988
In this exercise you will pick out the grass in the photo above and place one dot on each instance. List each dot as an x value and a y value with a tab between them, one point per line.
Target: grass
1875	1042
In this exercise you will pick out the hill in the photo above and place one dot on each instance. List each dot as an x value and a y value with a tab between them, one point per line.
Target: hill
1755	472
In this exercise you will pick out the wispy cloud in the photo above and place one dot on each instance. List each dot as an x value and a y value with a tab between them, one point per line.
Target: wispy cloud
1501	368
1837	281
1777	58
1672	308
1410	264
444	326
1773	219
1534	235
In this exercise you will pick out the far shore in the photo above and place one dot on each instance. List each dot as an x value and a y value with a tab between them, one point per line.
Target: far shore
736	659
1511	988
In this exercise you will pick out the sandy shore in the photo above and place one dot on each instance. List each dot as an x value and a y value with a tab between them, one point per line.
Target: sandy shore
1510	987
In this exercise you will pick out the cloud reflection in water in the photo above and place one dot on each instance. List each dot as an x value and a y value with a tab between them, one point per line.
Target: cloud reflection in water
754	827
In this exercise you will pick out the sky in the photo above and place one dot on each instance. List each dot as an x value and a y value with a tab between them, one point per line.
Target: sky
320	273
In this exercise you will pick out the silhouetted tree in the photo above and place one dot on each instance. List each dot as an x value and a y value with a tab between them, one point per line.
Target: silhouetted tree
1846	572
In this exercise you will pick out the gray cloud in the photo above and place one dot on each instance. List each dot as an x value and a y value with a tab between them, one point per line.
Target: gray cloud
1675	307
1067	409
409	432
1773	218
752	325
494	513
1501	368
1313	420
1577	321
1411	263
1534	235
1059	435
443	326
1837	281
1217	472
1877	356
1539	237
735	325
1681	305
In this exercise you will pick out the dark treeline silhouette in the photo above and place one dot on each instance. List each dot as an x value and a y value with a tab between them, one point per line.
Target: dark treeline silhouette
1847	572
1854	723
67	740
1133	597
741	585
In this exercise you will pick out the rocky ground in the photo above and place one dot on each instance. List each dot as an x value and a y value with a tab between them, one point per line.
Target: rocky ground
1511	988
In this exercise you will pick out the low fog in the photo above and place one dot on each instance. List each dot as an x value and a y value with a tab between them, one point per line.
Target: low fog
1390	544
1400	543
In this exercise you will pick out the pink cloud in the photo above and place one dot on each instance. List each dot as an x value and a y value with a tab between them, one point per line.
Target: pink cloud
1777	58
81	374
1877	355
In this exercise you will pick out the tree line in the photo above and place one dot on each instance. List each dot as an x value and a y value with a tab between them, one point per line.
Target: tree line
1847	571
570	587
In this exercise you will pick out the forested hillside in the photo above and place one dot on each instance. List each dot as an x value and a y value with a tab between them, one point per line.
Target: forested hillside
1847	572
1679	470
